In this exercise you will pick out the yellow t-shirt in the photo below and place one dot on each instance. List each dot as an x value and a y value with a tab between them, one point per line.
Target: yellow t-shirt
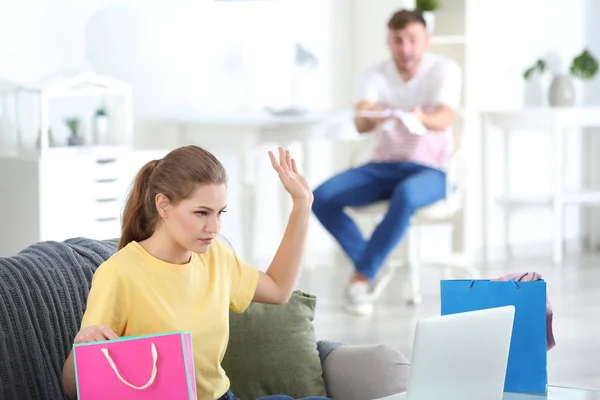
136	294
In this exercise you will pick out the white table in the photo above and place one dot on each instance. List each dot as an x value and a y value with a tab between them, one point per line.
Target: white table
554	393
245	134
556	121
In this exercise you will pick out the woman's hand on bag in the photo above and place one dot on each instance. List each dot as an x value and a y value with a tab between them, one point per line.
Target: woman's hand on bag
95	333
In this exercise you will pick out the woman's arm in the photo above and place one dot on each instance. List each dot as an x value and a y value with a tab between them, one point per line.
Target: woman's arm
89	334
68	375
105	314
277	284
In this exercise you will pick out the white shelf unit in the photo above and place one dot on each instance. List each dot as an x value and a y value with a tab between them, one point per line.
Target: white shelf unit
67	193
450	38
558	124
33	117
51	190
437	40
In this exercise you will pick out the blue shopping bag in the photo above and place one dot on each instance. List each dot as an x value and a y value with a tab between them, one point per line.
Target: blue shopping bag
527	360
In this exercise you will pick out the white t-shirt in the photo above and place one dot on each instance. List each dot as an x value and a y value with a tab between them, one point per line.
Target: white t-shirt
438	81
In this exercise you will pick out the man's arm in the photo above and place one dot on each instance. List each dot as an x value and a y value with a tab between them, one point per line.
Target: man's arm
445	99
368	95
438	119
364	124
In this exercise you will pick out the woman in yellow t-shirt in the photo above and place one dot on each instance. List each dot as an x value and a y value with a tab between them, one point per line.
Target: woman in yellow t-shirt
170	272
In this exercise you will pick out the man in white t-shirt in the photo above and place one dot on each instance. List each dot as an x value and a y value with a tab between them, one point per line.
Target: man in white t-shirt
411	90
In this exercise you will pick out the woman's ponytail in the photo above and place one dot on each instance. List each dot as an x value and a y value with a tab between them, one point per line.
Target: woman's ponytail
139	214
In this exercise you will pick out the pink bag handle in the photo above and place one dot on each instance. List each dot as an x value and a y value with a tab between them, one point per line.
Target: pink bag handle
113	366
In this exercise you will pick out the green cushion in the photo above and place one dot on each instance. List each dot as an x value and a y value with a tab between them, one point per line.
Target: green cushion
273	350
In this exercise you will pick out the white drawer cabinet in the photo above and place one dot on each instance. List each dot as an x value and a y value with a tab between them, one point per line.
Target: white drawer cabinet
69	193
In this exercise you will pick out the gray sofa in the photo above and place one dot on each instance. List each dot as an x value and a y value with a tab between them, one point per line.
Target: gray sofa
42	299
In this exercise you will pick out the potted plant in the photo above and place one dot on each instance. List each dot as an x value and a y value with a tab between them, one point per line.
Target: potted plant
539	66
428	7
535	84
584	66
101	126
562	89
74	139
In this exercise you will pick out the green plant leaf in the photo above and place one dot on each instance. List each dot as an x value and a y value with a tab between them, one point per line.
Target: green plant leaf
540	65
427	5
73	124
584	66
528	73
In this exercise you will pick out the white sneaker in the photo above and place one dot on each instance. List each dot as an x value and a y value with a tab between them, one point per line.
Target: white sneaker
359	298
383	278
361	295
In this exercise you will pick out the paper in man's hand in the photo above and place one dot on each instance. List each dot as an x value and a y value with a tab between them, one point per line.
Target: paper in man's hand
411	122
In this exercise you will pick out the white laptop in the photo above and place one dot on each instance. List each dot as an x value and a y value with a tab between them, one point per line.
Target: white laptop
460	356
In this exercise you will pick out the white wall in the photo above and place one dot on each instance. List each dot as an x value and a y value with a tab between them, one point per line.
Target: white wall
184	57
592	38
369	23
592	96
199	55
509	35
506	37
204	56
22	40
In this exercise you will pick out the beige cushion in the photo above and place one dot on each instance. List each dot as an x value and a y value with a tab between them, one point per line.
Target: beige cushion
365	372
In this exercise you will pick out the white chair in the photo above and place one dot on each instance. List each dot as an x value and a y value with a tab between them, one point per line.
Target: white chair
447	211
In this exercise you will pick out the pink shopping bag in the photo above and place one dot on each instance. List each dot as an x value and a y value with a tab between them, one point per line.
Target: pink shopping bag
142	367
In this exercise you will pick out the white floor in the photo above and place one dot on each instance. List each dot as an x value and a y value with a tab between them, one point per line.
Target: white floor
573	289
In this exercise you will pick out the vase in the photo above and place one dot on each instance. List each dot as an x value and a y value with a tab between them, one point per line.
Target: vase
76	140
535	92
429	17
101	130
562	92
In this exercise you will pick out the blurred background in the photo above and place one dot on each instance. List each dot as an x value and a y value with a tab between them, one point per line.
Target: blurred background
90	90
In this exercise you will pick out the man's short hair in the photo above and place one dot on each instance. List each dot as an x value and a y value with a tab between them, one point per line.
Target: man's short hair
401	19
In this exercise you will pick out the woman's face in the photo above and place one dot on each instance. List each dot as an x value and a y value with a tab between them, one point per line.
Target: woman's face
194	222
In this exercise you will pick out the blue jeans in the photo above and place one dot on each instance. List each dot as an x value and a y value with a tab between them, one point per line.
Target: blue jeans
408	186
230	396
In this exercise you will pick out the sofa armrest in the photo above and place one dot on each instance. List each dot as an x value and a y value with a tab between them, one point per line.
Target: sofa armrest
363	372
